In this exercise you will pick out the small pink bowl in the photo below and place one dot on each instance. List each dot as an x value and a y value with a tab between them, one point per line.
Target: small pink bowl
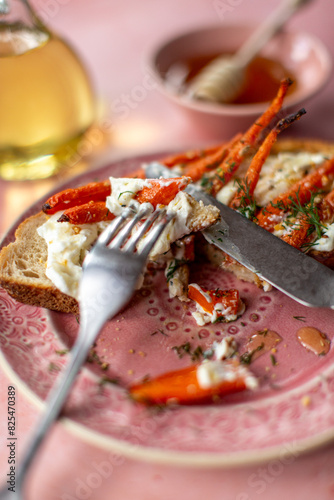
301	53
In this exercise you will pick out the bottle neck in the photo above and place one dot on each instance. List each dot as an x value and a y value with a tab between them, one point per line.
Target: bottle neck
20	12
4	7
20	28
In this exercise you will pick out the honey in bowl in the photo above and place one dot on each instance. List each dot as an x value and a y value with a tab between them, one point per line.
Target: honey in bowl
262	79
46	102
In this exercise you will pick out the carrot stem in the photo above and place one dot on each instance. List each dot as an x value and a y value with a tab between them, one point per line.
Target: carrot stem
248	185
225	172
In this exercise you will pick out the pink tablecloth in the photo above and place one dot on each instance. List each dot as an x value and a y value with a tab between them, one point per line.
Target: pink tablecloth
114	38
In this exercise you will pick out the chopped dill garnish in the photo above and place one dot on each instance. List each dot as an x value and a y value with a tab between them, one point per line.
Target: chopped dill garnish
62	352
247	206
172	267
206	183
197	353
53	367
220	177
123	192
108	380
300	318
273	360
246	358
309	211
159	331
93	356
184	349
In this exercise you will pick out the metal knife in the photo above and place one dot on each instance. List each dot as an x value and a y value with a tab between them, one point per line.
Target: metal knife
289	270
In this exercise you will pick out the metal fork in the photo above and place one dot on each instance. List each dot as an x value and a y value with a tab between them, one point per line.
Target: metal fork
110	273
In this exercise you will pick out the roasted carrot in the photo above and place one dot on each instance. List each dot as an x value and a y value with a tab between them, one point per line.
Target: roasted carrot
327	207
95	191
196	169
300	192
161	191
189	156
208	299
248	184
182	386
313	220
180	158
299	232
195	162
93	211
225	172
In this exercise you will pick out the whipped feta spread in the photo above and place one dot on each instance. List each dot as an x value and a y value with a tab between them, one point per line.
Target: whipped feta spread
176	228
326	242
203	317
211	373
123	192
278	173
68	244
67	247
226	348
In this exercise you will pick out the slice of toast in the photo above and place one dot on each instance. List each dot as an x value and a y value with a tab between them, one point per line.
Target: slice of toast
23	262
22	269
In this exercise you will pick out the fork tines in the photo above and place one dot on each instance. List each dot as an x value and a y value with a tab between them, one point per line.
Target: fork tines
118	234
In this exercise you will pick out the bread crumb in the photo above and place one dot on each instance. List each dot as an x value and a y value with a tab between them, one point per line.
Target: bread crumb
274	350
130	372
141	353
131	351
306	401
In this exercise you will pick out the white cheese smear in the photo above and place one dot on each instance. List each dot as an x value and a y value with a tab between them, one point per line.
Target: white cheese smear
67	247
123	192
326	242
278	173
68	244
211	373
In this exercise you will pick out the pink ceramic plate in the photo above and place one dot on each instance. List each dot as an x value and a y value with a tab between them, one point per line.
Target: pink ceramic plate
292	411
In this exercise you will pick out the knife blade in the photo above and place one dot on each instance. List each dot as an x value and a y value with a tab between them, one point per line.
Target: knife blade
289	270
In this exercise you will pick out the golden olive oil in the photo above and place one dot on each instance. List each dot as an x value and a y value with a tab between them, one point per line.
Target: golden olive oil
46	103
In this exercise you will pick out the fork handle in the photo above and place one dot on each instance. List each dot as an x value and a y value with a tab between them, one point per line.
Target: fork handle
55	403
93	316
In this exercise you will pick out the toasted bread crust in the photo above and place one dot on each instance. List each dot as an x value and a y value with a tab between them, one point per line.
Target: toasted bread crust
308	145
22	270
